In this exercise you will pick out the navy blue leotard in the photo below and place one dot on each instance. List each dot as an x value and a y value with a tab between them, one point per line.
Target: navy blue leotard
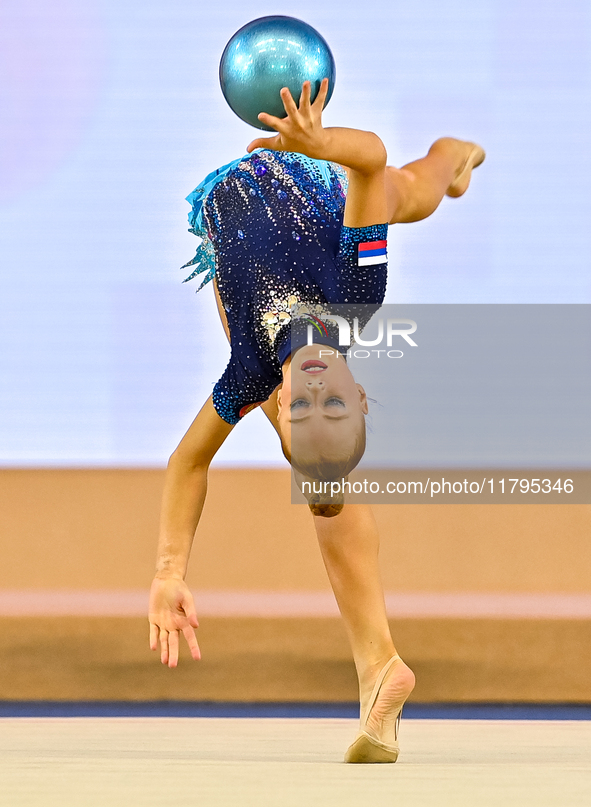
273	237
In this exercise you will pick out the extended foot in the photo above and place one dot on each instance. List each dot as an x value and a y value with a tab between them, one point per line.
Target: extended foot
377	740
475	155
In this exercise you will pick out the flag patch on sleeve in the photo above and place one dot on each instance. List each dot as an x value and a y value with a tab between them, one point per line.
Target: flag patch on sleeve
371	252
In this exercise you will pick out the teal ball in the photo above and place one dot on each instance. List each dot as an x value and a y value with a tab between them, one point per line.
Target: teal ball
270	53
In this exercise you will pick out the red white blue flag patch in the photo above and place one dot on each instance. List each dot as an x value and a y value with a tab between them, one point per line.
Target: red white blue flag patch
371	253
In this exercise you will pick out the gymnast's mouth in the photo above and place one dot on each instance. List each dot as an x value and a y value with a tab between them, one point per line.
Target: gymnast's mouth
313	366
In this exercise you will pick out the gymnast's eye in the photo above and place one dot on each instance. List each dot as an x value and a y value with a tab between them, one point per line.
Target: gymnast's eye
298	403
334	401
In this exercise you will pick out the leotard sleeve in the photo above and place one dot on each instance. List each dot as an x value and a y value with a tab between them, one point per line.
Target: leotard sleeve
363	247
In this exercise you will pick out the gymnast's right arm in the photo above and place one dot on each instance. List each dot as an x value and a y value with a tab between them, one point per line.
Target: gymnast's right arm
171	603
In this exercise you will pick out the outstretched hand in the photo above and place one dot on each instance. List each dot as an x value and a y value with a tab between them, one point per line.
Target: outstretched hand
301	131
172	611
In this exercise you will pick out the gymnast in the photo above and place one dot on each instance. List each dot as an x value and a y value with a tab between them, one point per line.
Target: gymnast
282	230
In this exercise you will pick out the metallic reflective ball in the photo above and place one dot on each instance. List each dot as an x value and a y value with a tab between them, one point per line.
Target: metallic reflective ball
268	54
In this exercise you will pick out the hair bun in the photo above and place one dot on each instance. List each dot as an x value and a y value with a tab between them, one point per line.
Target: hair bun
325	505
326	510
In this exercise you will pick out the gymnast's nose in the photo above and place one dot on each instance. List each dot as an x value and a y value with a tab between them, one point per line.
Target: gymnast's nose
315	384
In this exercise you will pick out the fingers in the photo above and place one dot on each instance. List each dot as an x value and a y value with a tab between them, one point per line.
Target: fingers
189	635
171	611
270	120
164	646
305	96
320	99
173	648
169	640
272	143
169	644
189	610
288	102
153	636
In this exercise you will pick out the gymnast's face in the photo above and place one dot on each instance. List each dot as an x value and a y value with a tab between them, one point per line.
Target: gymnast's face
320	405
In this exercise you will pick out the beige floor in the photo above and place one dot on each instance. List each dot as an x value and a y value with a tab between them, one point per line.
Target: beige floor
82	762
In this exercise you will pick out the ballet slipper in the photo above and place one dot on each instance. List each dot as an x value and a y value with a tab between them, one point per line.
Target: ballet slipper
377	740
460	184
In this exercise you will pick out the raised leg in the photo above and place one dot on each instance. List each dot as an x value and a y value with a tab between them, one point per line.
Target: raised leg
415	191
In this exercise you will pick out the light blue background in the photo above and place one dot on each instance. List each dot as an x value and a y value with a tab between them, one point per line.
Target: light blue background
111	114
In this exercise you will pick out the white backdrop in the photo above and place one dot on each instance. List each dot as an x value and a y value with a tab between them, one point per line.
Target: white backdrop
111	113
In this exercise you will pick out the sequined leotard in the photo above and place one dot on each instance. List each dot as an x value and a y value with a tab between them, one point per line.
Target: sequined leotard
272	232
